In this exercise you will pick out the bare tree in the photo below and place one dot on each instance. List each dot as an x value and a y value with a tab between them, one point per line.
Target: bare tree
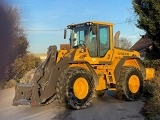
125	43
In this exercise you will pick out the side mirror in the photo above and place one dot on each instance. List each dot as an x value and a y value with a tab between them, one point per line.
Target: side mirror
65	33
94	30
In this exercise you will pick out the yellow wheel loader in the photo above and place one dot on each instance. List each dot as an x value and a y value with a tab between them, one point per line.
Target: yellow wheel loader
93	65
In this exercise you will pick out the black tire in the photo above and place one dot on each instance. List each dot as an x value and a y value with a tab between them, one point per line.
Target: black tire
123	91
64	88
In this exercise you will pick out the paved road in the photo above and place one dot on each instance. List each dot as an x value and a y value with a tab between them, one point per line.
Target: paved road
106	108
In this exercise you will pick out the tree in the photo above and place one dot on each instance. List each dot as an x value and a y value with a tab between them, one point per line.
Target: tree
148	19
151	52
148	12
19	42
13	41
124	43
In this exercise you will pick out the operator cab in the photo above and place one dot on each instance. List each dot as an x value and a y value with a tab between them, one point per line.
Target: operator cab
93	35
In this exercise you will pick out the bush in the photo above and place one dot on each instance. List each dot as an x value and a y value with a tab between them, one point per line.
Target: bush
152	64
22	65
10	83
151	93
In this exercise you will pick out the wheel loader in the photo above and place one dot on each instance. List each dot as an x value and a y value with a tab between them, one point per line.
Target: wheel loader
93	64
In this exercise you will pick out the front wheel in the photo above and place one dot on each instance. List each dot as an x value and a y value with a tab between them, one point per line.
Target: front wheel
130	84
75	88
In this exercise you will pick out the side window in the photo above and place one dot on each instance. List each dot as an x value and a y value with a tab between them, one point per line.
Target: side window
81	36
104	40
92	46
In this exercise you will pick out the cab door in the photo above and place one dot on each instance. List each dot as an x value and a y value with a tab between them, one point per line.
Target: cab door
104	38
100	44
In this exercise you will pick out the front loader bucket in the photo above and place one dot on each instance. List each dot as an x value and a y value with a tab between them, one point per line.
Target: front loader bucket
29	94
41	90
26	94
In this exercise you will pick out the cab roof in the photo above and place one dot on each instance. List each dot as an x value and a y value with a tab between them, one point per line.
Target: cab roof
90	23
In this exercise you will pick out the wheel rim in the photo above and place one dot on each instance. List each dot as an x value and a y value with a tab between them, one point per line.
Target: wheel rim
80	88
134	84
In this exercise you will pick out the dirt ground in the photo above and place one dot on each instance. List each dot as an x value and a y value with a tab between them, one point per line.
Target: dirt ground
106	108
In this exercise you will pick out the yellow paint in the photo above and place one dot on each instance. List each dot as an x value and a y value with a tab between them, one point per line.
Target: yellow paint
150	73
105	66
61	54
92	60
113	57
131	62
101	83
134	84
80	88
79	65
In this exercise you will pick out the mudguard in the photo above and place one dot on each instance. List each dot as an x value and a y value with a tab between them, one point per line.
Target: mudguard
122	61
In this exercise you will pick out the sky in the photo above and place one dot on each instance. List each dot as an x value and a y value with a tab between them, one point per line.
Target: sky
44	20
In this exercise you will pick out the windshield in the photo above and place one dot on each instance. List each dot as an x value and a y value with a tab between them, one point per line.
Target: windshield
81	35
96	39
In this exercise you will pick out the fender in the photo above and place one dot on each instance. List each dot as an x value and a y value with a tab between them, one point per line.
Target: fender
121	63
90	68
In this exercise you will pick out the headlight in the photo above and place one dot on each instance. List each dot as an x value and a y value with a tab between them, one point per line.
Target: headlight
83	49
89	23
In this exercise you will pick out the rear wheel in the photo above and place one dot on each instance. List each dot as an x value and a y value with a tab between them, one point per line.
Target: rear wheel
75	88
130	84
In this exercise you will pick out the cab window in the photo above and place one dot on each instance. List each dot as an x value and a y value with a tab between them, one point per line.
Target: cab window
104	40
